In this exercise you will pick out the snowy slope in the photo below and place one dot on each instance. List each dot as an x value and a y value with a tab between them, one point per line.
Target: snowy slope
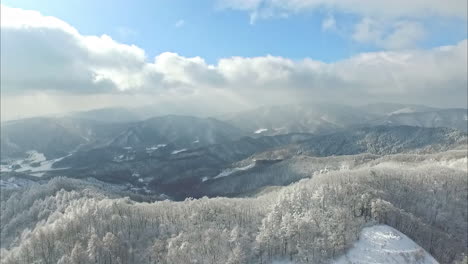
385	245
34	164
230	171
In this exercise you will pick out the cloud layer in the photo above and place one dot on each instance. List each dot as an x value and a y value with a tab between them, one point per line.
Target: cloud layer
388	24
259	9
395	35
44	55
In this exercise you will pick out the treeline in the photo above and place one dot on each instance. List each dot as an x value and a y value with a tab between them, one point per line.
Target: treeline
311	221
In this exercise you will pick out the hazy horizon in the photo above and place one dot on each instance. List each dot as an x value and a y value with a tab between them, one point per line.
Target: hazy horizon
152	111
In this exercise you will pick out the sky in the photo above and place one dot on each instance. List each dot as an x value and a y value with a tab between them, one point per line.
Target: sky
228	55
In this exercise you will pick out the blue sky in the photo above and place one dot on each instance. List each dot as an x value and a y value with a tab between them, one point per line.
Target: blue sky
213	33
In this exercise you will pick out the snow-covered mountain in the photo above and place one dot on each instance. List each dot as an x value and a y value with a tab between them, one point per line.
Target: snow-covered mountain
369	211
109	115
385	109
182	131
453	118
45	135
183	171
322	118
55	137
58	136
312	118
280	172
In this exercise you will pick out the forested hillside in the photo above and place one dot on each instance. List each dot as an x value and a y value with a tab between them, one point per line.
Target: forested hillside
312	221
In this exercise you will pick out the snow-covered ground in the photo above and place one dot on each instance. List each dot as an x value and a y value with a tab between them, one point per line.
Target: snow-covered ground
130	155
14	182
230	171
33	157
385	245
35	164
406	110
151	149
382	244
454	163
461	164
178	151
260	130
328	120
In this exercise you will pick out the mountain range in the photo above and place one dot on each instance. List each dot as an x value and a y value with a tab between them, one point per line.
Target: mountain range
184	156
56	136
335	171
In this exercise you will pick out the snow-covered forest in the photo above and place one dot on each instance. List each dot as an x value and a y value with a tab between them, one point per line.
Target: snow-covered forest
234	132
314	220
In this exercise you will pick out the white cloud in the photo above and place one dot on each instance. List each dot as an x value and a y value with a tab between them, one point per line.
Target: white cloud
382	8
411	76
405	35
389	24
46	56
40	52
190	72
389	35
23	19
329	23
179	23
368	31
